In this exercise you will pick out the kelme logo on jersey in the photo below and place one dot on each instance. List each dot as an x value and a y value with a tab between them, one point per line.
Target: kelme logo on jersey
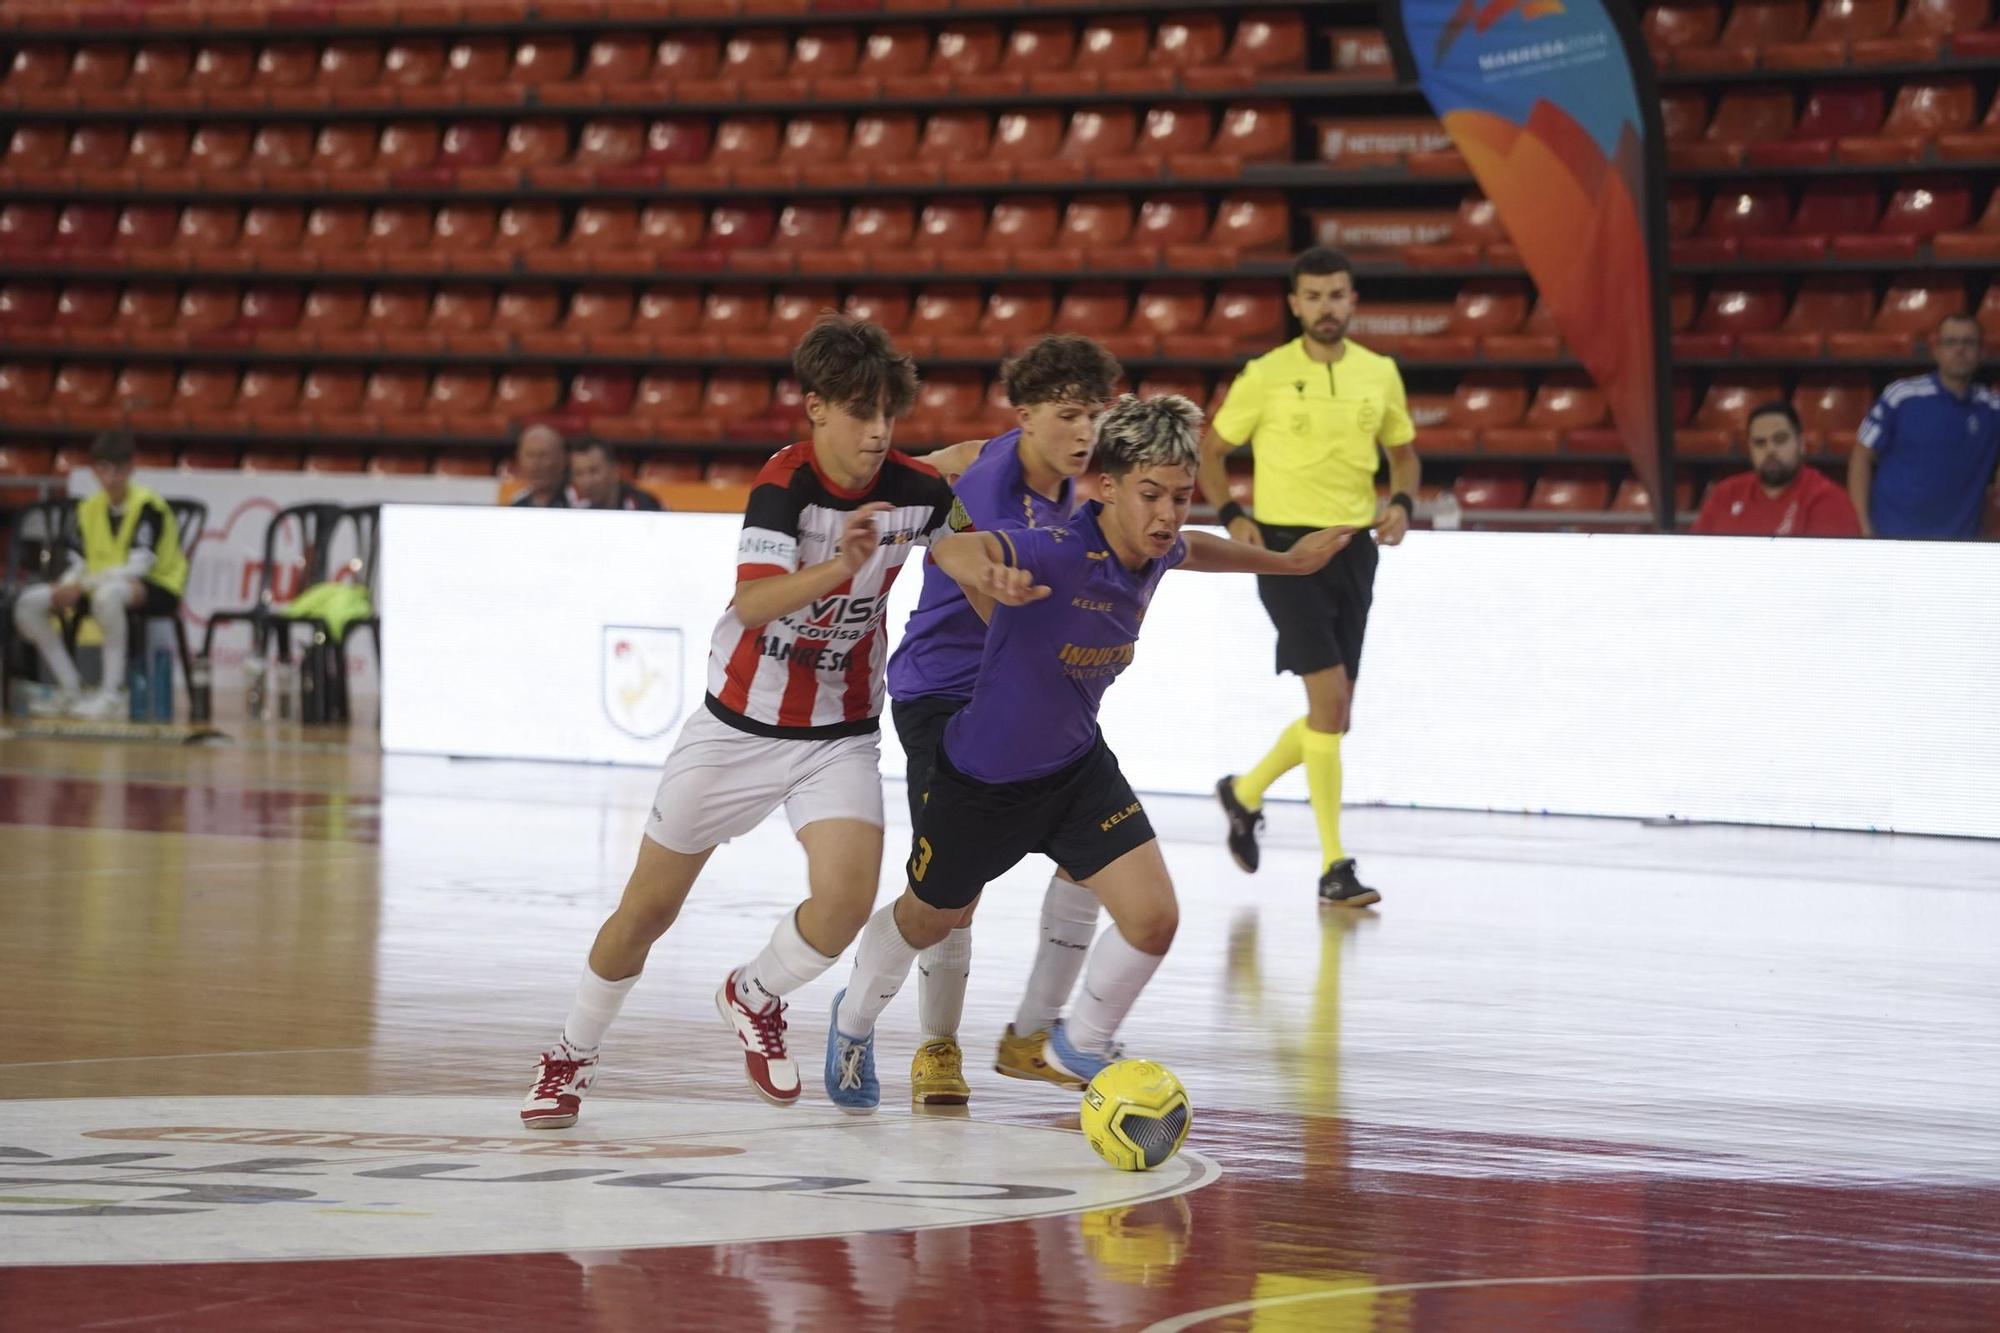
642	678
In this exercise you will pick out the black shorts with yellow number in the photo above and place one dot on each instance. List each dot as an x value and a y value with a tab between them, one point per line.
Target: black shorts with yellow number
1082	816
920	724
1321	618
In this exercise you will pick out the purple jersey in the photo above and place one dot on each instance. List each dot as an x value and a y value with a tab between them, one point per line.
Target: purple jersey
939	652
1047	664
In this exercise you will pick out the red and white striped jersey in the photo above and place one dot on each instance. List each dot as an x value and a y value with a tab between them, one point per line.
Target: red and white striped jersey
817	672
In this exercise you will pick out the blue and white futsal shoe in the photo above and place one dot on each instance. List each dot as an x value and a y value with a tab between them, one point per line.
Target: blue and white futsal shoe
850	1068
1063	1058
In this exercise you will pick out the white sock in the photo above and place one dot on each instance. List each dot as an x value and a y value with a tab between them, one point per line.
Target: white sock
1118	972
107	607
941	973
596	1004
881	966
787	964
1069	919
31	618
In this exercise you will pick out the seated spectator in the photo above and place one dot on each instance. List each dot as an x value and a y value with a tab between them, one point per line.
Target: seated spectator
594	480
1929	446
1780	496
124	554
538	465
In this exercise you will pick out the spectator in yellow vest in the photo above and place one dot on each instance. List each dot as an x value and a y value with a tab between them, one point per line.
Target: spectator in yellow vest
124	555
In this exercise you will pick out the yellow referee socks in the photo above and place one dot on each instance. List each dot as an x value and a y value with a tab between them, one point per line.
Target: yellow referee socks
1322	750
1285	756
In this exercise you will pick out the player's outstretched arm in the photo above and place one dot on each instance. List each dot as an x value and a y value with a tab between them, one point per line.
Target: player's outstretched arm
1209	554
977	562
762	600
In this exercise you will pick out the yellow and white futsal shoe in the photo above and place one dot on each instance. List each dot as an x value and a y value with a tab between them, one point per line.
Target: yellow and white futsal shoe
937	1074
1020	1056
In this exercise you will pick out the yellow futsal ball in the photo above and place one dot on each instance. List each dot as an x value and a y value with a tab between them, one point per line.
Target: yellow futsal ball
1136	1114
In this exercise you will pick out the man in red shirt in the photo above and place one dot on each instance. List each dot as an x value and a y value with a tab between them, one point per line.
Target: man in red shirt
1781	496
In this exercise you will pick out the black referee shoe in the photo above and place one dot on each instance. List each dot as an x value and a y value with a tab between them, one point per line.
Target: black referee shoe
1243	825
1342	887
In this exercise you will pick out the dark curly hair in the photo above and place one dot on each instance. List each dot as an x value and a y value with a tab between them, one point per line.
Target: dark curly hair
853	365
1062	368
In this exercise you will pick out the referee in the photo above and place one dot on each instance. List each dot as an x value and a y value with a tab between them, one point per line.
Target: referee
1314	412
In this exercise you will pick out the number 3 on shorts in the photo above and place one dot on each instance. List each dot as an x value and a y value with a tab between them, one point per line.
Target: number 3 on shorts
921	861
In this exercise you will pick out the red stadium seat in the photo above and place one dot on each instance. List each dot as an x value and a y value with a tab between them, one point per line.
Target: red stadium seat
286	67
1268	41
1826	303
1910	310
530	226
1924	112
1491	488
1921	32
1724	414
968	50
895	58
526	310
1836	25
824	53
952	227
1735	307
1571	491
269	391
1833	113
1924	208
1752	26
523	392
1023	222
1675	25
479	62
1188	40
159	68
1982	241
1744	116
1831	404
413	63
885	147
945	309
687	57
887	306
396	394
83	227
954	137
348	65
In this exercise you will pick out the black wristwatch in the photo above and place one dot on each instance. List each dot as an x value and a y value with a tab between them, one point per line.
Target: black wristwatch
1409	508
1229	511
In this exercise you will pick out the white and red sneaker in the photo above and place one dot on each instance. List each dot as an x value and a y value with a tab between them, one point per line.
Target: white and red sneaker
762	1031
560	1082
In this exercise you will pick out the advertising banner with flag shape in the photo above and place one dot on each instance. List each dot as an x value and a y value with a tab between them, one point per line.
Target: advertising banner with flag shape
1554	107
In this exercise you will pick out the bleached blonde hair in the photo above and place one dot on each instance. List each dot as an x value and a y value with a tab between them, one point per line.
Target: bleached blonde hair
1163	431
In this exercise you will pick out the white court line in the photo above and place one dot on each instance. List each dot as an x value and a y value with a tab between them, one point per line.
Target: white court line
1183	1321
196	1055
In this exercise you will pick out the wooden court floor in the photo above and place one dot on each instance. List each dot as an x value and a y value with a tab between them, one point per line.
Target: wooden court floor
271	1006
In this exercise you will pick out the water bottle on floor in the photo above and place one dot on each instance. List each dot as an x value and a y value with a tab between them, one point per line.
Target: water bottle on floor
135	685
256	683
160	686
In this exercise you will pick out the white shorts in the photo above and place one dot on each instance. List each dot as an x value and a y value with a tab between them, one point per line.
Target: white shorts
720	783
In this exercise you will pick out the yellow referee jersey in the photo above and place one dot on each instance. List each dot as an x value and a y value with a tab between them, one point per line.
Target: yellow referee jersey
1312	428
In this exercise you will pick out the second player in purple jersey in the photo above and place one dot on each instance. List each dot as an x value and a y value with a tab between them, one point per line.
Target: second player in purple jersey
1052	660
939	652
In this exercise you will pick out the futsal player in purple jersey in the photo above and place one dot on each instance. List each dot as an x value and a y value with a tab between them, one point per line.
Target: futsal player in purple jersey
1023	767
1059	388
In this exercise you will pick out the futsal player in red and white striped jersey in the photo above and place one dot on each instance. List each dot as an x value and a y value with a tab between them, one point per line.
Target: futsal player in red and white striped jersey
795	690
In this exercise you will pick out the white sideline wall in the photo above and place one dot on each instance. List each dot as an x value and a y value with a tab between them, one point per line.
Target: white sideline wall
1811	683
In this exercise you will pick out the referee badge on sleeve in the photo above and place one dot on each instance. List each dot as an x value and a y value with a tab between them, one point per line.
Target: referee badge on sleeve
642	679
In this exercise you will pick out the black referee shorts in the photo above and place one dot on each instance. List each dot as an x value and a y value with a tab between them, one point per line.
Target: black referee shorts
920	727
1083	817
1321	618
